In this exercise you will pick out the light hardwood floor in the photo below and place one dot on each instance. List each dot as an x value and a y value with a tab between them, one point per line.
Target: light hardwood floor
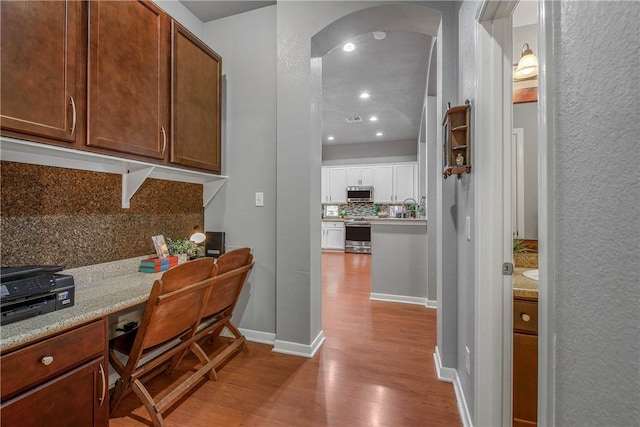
374	369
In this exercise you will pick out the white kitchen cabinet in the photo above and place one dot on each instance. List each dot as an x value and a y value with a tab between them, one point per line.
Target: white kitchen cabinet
394	183
405	182
383	184
334	184
333	235
359	175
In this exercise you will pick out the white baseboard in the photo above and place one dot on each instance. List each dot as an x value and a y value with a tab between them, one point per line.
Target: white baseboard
398	298
431	303
444	374
258	336
296	349
450	375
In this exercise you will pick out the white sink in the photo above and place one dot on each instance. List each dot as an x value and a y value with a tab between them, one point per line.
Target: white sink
531	274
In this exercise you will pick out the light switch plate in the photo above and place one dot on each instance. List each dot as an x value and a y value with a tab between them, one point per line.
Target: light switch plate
260	199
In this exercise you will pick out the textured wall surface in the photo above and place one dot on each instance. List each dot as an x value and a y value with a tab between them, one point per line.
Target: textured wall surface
465	205
74	218
247	43
597	280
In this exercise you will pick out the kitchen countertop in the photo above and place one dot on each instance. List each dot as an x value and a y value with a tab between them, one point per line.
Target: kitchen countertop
99	291
523	287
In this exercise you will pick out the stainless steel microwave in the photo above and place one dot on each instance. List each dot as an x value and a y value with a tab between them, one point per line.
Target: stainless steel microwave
360	194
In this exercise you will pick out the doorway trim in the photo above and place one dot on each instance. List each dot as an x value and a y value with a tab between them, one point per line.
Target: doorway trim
493	306
493	290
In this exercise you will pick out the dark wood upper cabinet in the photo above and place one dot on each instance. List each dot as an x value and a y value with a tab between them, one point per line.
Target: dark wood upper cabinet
128	87
195	102
41	56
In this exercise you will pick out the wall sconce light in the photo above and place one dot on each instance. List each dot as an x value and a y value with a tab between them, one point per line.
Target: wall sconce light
527	65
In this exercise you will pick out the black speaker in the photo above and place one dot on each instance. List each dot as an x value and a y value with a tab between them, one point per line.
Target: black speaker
214	244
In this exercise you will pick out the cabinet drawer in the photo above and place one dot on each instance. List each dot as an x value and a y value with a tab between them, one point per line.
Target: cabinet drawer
28	366
334	224
525	316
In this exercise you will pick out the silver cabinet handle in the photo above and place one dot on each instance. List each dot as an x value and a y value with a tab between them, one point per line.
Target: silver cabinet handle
164	139
73	121
525	317
104	385
47	360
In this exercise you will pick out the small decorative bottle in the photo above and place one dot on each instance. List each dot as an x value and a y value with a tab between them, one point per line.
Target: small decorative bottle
460	159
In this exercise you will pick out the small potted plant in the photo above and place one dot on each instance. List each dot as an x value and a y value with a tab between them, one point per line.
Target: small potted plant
183	248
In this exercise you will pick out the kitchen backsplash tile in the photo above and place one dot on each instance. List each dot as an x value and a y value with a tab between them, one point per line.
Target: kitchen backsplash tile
74	218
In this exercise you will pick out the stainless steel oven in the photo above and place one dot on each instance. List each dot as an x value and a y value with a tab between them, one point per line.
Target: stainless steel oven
357	236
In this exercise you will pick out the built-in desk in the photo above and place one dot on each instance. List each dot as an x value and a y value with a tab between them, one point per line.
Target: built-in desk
99	291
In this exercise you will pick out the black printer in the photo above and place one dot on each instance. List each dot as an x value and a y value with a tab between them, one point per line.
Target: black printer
30	290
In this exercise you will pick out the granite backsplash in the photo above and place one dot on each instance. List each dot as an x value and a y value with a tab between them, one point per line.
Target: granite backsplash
74	218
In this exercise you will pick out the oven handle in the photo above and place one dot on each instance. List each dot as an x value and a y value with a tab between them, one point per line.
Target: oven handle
357	225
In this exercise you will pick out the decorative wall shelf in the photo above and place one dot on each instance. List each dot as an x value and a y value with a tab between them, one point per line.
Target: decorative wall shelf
456	141
133	172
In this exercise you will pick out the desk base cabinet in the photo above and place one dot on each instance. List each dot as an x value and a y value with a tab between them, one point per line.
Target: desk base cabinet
60	381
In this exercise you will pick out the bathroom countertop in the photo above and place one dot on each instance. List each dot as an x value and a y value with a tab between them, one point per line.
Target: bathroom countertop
524	287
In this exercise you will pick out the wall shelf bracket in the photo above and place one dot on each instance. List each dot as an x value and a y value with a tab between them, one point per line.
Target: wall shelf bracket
210	189
131	182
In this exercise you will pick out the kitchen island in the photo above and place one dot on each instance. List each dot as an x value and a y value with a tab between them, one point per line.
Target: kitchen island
399	260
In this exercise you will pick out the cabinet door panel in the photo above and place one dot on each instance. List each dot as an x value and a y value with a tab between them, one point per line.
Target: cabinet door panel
128	78
38	57
338	185
335	238
383	184
195	102
366	175
525	377
404	182
71	400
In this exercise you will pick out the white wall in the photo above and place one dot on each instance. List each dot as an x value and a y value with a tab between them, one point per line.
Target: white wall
373	152
247	44
597	225
183	15
525	116
299	156
465	204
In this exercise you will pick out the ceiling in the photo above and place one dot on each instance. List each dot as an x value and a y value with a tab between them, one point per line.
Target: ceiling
393	70
209	10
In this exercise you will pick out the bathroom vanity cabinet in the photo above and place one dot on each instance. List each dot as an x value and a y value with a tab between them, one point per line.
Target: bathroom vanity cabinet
525	362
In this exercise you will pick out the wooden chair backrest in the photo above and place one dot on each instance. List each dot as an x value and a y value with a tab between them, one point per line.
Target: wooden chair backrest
175	305
233	269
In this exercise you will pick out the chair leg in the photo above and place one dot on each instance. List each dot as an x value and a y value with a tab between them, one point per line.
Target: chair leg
148	402
238	335
116	395
204	359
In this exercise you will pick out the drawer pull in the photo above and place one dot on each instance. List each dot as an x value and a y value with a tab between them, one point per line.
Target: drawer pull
104	385
47	360
525	317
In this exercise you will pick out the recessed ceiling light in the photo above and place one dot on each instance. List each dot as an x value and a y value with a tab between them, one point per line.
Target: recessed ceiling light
349	47
379	35
330	138
373	119
379	134
364	95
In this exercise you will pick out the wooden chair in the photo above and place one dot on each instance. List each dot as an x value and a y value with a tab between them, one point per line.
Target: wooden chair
172	315
233	268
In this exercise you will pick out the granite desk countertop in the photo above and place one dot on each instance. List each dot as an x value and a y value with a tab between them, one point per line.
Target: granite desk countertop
523	287
96	295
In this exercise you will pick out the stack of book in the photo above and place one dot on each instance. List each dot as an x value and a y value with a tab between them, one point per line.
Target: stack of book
154	265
